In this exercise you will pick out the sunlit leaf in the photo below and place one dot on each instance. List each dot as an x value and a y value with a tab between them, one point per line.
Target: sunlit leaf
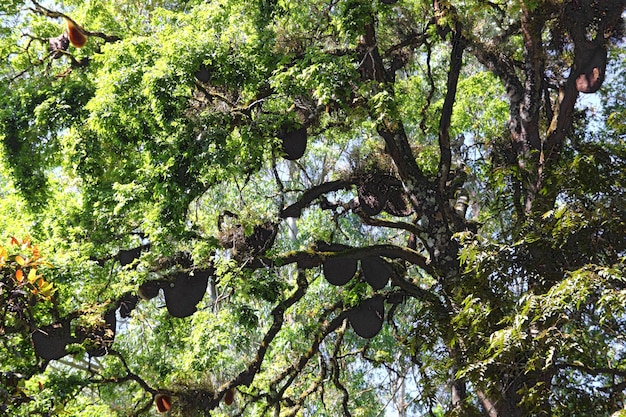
32	275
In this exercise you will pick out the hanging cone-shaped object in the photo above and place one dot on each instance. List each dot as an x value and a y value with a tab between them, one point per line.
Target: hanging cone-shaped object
182	295
293	143
339	271
376	271
76	34
163	403
50	341
367	319
372	198
229	397
148	290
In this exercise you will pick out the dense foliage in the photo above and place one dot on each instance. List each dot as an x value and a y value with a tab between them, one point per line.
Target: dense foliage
310	208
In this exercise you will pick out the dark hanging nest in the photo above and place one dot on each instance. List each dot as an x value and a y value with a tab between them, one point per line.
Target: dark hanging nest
257	243
589	24
591	67
100	337
203	74
184	292
50	341
127	304
293	142
149	290
59	44
337	271
398	201
367	319
382	191
371	198
376	271
128	256
398	205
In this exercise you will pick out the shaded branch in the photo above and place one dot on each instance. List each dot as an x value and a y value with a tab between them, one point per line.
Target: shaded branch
456	63
295	209
278	313
311	258
304	359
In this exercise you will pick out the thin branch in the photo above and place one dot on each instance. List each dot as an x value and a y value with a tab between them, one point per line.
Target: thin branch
278	313
54	14
295	209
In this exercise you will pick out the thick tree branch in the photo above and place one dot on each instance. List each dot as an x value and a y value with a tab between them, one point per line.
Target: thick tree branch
390	127
456	63
532	30
312	258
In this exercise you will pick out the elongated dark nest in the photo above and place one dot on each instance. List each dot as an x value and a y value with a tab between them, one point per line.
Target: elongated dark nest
293	142
50	341
383	191
185	292
99	338
376	271
367	319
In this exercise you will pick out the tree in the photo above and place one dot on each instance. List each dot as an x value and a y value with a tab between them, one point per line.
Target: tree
313	208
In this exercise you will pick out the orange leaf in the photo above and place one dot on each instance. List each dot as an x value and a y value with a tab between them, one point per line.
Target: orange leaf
14	241
19	275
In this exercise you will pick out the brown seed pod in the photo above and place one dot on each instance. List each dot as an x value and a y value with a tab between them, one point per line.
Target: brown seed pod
163	403
229	397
